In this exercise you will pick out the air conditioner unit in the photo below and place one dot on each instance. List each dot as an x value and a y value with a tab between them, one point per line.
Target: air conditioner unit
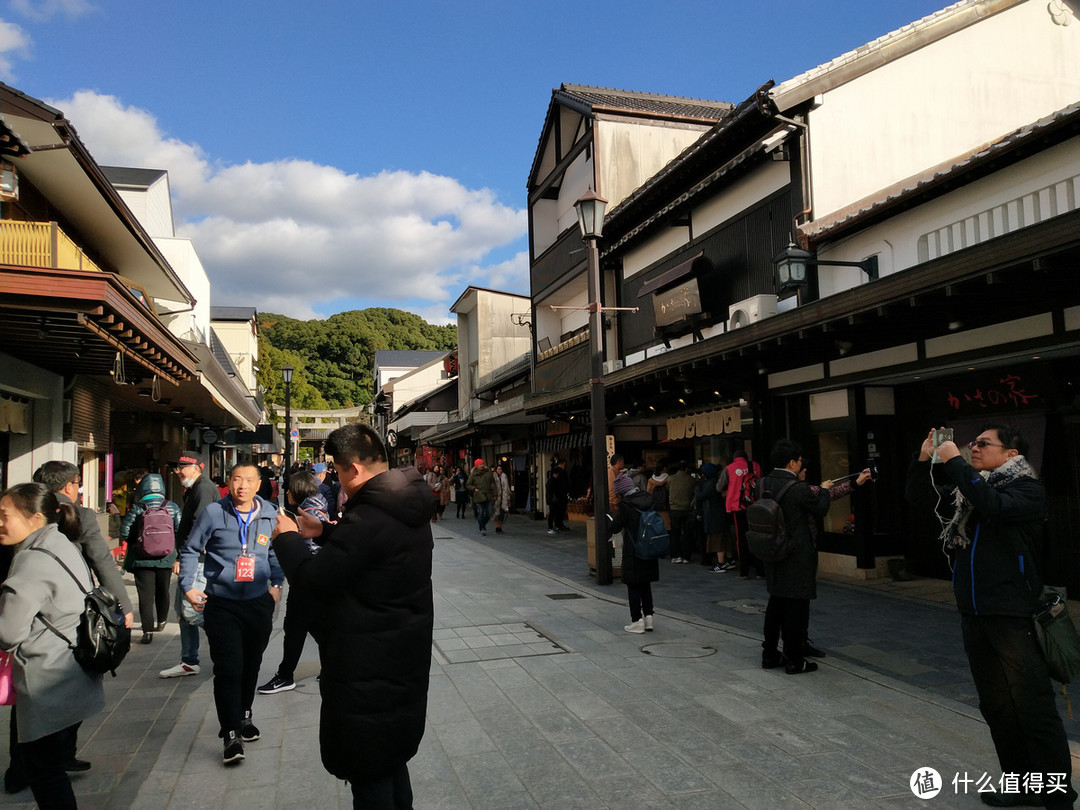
612	366
753	309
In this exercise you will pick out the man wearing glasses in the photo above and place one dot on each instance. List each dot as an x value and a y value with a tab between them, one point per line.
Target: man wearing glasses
199	493
993	511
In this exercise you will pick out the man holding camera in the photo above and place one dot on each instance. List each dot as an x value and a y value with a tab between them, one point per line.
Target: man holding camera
993	511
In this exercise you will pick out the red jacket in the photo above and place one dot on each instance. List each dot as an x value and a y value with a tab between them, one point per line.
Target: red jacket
735	473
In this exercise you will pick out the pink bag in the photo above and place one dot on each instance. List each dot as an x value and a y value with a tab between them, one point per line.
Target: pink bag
7	681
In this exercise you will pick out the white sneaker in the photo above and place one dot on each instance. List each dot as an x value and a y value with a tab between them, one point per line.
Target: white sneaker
179	671
635	627
648	623
551	531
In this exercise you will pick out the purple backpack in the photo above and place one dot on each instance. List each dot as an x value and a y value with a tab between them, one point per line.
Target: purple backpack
156	538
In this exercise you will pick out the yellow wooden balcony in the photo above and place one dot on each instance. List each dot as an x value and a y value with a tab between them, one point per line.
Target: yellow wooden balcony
41	244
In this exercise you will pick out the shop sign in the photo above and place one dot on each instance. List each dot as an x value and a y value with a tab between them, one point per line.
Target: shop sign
998	392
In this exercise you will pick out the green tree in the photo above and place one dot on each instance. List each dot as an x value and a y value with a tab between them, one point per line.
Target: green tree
334	358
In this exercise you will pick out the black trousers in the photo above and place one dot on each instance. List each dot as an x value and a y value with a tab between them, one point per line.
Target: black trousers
45	759
746	559
790	619
152	587
390	792
298	615
640	598
1017	699
682	527
237	631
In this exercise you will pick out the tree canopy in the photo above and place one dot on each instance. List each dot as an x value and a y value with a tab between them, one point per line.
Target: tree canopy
334	358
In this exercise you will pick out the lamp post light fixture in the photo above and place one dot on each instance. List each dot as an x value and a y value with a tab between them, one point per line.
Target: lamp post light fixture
286	374
791	264
590	212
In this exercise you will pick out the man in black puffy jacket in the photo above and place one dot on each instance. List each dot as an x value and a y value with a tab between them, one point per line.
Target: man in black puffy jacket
371	584
993	511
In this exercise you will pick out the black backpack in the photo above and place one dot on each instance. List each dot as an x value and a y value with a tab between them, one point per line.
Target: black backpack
102	640
766	531
155	537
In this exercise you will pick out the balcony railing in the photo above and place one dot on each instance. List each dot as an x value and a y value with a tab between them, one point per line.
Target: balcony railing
41	244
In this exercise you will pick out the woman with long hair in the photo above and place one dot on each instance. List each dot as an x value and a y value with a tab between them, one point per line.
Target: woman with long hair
54	694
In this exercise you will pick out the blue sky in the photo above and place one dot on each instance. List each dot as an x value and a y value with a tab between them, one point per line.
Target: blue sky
335	155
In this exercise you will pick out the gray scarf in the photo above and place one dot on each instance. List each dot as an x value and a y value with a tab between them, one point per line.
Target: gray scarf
956	534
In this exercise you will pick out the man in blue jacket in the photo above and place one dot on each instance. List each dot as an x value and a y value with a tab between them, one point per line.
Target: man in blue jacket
243	583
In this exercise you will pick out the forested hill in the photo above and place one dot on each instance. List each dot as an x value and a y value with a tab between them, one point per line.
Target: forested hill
333	358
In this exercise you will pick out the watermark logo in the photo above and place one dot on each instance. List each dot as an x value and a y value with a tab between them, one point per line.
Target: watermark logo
925	783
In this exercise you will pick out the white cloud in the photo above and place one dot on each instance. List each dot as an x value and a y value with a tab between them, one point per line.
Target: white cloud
287	235
40	10
14	42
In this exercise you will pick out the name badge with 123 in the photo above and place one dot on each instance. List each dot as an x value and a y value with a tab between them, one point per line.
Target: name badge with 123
245	568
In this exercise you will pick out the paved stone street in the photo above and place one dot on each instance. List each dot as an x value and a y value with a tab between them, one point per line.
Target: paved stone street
539	699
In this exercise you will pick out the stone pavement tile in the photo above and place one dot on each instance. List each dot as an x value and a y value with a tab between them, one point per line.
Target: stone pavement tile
560	725
756	753
824	792
670	773
755	788
709	800
595	758
621	733
585	705
485	775
463	738
630	792
865	780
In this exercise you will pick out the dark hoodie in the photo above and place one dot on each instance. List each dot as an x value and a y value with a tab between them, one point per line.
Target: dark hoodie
150	492
371	584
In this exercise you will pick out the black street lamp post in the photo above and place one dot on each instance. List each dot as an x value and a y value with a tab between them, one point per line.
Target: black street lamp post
590	211
286	374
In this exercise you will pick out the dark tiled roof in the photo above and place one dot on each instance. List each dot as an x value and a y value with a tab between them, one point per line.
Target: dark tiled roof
597	99
232	313
945	175
407	358
123	176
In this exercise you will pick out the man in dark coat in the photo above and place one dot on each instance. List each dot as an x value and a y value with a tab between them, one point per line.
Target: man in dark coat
374	613
994	513
792	582
199	493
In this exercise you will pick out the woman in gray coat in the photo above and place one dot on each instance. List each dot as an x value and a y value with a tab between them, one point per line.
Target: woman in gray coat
54	694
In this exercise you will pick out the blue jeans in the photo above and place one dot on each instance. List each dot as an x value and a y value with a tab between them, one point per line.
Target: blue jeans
483	513
189	633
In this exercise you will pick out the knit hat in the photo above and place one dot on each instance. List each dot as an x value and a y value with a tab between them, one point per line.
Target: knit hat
624	485
478	462
708	469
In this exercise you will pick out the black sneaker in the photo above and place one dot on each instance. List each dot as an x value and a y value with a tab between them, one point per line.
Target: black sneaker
74	765
800	668
772	660
248	731
232	750
812	652
275	685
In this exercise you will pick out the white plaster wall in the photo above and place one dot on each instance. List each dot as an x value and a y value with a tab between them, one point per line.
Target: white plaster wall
632	152
152	207
242	344
942	101
180	253
739	196
659	245
418	382
896	240
504	341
